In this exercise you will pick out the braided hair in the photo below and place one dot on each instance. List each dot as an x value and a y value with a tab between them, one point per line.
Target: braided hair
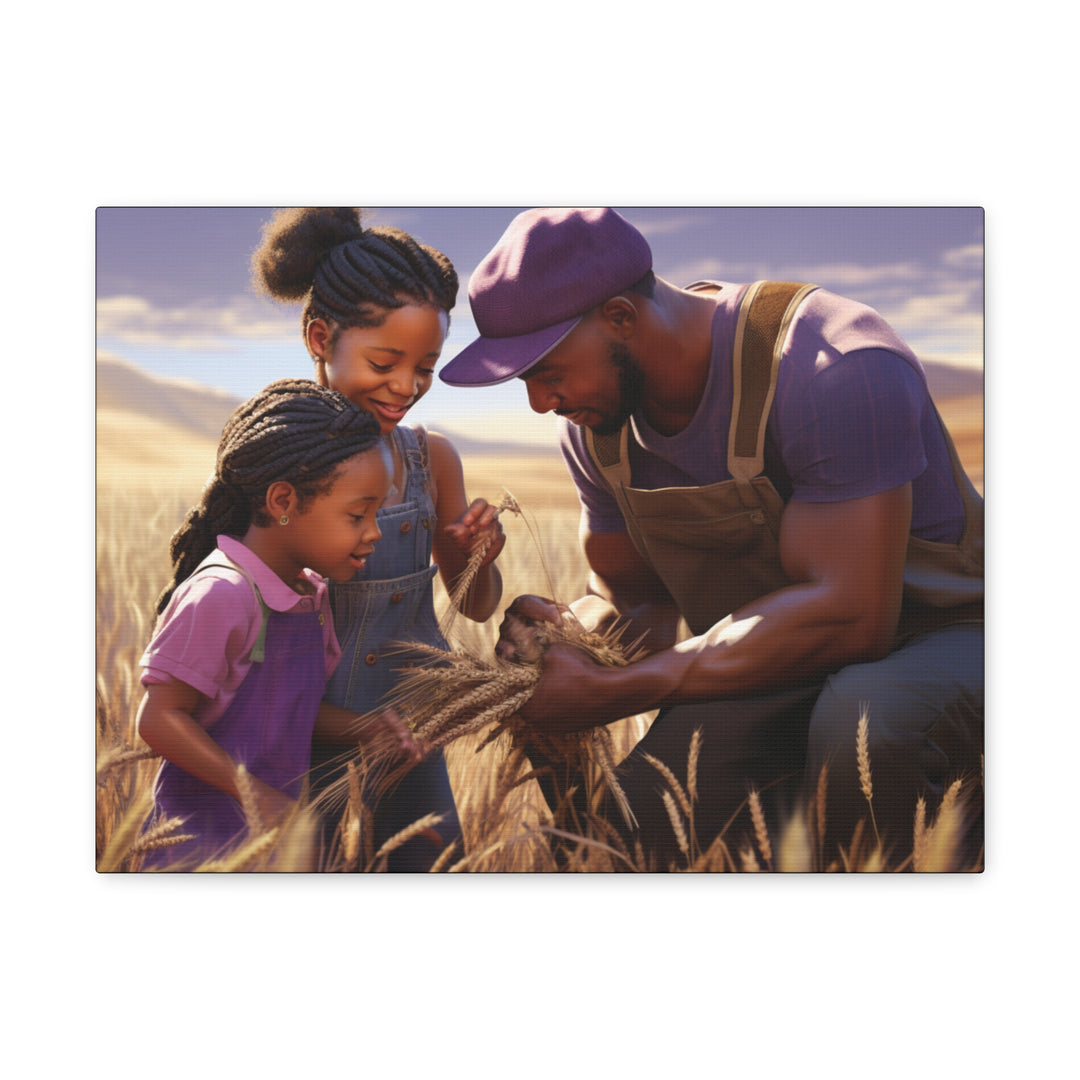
348	275
294	430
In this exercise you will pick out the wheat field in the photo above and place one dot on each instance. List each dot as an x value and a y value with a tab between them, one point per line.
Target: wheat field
507	825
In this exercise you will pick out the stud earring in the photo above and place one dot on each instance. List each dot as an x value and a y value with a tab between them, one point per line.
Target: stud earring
284	519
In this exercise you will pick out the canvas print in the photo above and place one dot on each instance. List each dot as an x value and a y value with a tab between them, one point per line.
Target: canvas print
542	540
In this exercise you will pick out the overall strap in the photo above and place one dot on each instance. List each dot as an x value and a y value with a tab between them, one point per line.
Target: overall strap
765	315
222	561
610	456
415	439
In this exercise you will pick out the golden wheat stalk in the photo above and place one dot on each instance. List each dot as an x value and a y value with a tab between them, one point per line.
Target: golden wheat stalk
126	832
602	750
428	821
761	833
862	753
162	834
939	855
351	819
716	857
692	765
672	782
452	694
676	821
118	756
464	581
447	853
749	861
819	805
248	801
921	838
795	855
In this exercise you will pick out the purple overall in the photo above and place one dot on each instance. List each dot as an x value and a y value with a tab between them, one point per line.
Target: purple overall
267	727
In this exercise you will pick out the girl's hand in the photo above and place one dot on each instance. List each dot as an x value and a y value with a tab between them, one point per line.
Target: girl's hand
387	734
478	525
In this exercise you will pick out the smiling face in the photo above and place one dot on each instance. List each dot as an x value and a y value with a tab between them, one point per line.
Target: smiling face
385	369
335	532
589	379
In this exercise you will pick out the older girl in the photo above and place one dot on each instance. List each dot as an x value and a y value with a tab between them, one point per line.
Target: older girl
376	314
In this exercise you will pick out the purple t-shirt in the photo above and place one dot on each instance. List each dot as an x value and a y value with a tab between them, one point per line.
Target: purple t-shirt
205	634
852	417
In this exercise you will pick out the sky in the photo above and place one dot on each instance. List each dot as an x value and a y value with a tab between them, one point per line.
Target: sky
174	294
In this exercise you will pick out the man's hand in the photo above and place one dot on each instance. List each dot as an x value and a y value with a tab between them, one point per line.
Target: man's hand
522	635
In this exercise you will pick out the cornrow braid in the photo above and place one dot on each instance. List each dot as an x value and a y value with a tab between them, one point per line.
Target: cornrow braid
294	430
349	275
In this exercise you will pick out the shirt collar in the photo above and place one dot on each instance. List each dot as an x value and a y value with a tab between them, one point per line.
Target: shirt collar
277	595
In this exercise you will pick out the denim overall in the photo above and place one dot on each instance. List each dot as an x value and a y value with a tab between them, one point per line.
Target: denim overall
389	602
267	728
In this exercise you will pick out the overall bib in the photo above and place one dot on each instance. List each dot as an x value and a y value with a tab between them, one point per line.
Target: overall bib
716	548
267	728
389	602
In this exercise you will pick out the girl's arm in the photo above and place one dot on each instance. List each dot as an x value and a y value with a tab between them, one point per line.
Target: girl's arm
166	723
372	732
461	527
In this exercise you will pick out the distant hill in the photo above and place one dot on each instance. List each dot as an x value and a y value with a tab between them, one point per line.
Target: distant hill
950	381
203	410
124	387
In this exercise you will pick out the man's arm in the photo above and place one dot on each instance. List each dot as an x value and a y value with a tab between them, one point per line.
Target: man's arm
845	561
624	588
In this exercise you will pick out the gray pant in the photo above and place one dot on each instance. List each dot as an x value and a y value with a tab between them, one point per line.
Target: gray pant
925	708
925	703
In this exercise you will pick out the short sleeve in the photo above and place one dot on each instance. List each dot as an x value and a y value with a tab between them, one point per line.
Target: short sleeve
205	635
849	425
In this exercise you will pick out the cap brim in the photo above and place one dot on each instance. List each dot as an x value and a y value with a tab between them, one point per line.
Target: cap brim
490	361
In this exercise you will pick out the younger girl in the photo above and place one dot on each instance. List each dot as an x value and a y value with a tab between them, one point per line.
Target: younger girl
377	310
237	668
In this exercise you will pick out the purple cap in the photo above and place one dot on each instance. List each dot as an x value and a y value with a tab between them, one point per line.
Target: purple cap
550	267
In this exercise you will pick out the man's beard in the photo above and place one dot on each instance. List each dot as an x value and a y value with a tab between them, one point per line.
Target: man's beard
631	389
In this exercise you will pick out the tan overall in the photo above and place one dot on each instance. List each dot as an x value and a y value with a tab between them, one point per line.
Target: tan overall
716	547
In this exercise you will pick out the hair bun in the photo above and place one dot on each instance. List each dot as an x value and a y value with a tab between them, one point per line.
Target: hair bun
294	241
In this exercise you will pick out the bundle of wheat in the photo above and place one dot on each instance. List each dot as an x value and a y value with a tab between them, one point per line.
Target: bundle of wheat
456	693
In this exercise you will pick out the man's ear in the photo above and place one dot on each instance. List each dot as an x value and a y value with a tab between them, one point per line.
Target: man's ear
281	499
622	314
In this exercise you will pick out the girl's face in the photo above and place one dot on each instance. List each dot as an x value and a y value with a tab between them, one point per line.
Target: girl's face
336	532
387	369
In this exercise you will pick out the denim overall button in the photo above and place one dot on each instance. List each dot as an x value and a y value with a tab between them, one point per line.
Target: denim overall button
406	526
322	619
396	598
370	658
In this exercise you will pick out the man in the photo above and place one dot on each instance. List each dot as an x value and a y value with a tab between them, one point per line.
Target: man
765	463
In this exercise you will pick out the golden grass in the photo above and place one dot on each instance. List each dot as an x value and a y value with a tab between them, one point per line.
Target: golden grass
507	826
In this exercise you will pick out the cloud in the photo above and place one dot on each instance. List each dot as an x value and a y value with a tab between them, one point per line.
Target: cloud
662	226
936	306
969	257
134	320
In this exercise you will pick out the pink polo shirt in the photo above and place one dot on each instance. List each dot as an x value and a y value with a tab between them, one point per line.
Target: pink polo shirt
205	635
